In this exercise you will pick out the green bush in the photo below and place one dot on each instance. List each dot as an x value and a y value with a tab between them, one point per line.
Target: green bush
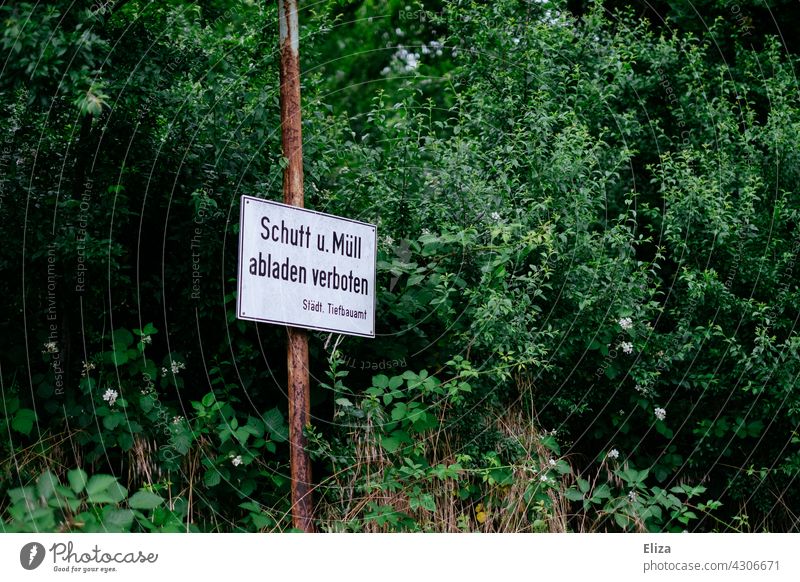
588	235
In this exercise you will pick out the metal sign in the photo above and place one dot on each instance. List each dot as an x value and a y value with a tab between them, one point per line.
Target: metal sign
306	269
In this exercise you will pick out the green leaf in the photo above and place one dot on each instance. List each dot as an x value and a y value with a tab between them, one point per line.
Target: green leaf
255	426
182	441
99	483
12	404
46	484
24	495
395	382
278	430
145	500
77	479
117	519
415	280
427	502
754	428
212	478
622	520
100	498
550	442
147	403
117	492
105	489
390	444
122	340
23	421
112	421
125	441
65	499
119	358
601	492
242	434
262	521
399	411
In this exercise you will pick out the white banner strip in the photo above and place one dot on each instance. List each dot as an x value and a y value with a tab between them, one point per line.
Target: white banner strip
390	557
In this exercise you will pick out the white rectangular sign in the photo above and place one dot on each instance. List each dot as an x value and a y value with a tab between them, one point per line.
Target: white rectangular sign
306	269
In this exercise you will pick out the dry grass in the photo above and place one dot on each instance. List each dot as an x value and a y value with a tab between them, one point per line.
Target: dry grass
356	486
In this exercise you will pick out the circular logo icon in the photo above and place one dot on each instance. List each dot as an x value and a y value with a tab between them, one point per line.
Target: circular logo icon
31	555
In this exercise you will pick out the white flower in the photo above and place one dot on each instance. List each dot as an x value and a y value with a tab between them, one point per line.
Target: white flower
496	216
237	460
613	454
87	367
177	366
110	396
146	339
627	347
625	322
632	496
660	413
543	478
552	462
50	348
177	419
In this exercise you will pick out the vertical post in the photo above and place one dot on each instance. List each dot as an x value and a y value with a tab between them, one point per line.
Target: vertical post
297	345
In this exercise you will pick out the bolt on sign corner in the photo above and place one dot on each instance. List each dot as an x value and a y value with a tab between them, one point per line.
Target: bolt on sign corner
305	269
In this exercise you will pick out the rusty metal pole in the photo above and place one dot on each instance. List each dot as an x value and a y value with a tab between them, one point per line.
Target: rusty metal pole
297	345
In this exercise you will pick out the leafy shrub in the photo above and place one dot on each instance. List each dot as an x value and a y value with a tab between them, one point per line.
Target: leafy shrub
588	235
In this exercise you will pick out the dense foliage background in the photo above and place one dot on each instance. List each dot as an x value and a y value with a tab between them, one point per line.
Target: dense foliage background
588	293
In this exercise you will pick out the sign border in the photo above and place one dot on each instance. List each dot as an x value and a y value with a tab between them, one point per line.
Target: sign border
245	197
